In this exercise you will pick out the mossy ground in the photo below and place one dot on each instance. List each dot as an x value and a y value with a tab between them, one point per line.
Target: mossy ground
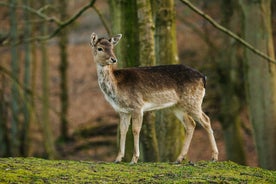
35	170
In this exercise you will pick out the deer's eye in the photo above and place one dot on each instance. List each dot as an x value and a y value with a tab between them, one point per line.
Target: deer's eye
100	49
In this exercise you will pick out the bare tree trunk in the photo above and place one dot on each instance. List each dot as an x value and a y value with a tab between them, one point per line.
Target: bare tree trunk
116	14
14	90
261	83
147	58
170	131
33	81
230	77
25	139
4	137
45	123
128	27
63	41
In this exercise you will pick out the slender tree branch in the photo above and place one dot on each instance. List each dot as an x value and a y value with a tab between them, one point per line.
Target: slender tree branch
227	31
199	33
47	6
42	15
63	24
9	74
102	20
37	12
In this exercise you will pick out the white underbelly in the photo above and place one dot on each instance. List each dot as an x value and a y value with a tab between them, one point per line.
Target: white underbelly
153	106
160	100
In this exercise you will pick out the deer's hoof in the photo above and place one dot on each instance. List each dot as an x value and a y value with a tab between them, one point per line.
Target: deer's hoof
117	161
177	162
214	160
134	160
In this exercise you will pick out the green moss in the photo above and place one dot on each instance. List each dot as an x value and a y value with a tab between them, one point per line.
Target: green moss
34	170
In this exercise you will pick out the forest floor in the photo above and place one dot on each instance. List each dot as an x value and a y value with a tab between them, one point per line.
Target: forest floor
34	170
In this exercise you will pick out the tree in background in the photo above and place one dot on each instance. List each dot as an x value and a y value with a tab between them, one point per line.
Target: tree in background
4	132
27	105
63	42
45	123
33	78
260	79
15	104
230	79
124	17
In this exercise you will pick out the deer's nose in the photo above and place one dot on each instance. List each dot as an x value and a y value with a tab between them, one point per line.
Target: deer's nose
113	60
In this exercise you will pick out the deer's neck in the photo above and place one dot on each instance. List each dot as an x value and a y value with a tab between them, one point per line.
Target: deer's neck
107	81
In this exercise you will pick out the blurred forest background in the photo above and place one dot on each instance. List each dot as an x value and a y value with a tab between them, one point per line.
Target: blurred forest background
51	105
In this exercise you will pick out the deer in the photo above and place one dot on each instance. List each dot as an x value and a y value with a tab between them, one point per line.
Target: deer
135	90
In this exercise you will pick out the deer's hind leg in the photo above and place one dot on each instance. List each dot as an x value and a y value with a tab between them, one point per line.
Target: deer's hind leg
189	125
204	120
137	119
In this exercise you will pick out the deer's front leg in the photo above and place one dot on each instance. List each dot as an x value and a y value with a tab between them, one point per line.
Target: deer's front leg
137	119
124	124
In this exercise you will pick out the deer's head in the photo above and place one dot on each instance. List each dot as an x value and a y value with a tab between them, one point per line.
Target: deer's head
103	49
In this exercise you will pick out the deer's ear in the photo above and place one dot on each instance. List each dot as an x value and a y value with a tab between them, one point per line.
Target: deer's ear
115	39
94	39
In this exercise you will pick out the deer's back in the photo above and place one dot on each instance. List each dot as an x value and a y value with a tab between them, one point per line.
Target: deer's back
159	77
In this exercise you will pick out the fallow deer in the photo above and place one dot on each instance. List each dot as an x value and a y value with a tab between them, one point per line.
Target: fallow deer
133	91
